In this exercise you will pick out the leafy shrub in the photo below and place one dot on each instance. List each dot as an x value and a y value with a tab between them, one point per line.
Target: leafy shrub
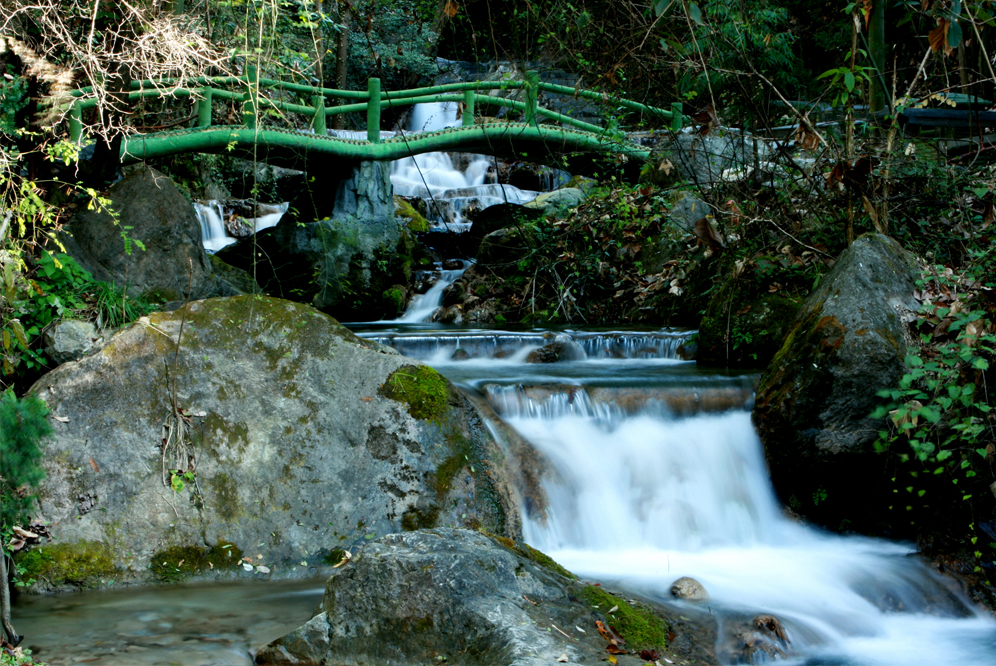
23	426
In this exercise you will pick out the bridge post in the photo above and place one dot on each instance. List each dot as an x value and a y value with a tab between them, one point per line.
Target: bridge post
468	107
318	120
76	122
676	116
250	105
373	110
532	90
204	108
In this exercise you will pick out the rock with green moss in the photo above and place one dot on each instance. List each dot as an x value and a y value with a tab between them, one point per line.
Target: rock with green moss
812	410
80	564
291	436
744	326
405	213
461	597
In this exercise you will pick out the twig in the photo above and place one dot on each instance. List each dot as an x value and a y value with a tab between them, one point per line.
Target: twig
561	631
809	247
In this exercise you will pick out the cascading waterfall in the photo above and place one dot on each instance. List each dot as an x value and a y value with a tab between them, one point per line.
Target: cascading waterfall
423	305
644	499
639	496
449	189
214	235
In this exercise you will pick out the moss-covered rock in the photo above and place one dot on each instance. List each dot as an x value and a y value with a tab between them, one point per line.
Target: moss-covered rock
82	564
814	400
176	563
460	597
407	215
299	432
744	326
639	625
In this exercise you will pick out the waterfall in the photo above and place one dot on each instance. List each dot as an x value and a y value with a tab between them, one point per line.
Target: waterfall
423	305
214	234
653	472
450	187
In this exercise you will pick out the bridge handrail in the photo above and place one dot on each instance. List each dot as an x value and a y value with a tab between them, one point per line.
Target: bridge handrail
471	97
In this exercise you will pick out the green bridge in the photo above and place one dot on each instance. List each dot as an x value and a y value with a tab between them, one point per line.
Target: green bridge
315	150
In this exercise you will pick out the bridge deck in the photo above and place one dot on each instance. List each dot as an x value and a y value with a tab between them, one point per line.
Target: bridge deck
300	150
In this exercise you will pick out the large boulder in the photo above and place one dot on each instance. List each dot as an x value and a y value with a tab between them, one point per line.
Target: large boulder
461	597
274	430
704	160
849	340
341	265
148	210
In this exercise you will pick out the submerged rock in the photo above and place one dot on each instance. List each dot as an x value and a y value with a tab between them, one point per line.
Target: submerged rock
849	340
290	437
559	350
688	589
460	597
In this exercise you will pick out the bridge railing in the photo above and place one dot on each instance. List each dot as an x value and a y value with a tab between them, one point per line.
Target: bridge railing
245	89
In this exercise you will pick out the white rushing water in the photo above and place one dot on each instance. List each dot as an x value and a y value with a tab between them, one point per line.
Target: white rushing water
423	305
645	499
450	188
211	215
638	497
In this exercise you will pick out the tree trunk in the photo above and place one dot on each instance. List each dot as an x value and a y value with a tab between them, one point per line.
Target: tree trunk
5	625
339	122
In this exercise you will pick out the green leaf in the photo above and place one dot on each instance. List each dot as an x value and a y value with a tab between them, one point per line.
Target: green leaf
19	332
849	81
930	414
954	34
980	363
695	13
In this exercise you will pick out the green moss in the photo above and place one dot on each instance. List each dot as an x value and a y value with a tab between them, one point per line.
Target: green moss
418	519
83	564
525	550
421	388
178	562
396	298
411	217
334	556
638	624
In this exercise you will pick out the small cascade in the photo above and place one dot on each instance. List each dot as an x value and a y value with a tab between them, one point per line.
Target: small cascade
423	305
215	234
475	344
451	186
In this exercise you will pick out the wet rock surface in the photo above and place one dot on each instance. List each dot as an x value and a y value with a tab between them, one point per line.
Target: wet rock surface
849	340
295	433
460	597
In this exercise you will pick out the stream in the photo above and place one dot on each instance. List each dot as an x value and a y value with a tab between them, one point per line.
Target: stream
654	473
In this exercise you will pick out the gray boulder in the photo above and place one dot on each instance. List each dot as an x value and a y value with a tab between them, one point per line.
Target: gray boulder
68	339
460	597
153	212
723	155
554	202
298	437
849	340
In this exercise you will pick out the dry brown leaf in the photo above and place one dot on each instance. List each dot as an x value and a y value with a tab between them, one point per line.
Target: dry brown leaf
61	419
938	37
450	9
366	399
94	466
707	234
346	557
666	167
23	533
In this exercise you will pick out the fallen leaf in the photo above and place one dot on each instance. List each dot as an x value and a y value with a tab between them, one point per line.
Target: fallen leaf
612	660
247	566
93	465
450	9
650	655
613	609
562	659
580	629
366	399
61	419
707	234
614	649
262	569
666	167
346	557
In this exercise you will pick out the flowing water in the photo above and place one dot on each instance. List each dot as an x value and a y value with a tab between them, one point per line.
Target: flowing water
211	215
656	473
451	185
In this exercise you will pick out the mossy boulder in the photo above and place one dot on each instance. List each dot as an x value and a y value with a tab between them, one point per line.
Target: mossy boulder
813	405
744	327
80	564
297	437
461	597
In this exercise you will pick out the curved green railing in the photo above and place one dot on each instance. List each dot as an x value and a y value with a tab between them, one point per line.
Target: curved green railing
573	134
